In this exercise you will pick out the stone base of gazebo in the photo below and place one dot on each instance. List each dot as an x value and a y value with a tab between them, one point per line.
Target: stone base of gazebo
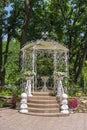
44	104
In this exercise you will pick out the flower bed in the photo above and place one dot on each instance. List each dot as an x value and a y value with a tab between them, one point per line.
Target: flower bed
82	104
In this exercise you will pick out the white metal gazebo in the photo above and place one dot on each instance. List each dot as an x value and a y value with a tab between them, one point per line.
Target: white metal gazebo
32	50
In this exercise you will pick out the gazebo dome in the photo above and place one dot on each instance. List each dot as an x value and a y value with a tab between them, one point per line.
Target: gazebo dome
45	45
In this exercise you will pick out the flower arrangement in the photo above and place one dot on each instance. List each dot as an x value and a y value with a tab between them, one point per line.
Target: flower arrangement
29	73
59	74
73	103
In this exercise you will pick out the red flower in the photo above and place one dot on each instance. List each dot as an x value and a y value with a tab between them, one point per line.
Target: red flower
73	103
14	98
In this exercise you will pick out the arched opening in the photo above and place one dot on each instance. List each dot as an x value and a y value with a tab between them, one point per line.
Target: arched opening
45	67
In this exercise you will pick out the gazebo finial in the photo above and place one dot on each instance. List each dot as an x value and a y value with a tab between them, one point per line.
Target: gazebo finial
44	35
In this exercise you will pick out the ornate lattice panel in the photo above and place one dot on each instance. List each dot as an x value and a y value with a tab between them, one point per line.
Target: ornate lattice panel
27	61
60	62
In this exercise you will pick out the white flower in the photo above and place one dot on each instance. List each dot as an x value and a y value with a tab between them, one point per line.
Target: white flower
29	73
59	74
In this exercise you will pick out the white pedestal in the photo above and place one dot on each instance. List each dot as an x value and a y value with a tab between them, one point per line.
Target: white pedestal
60	89
23	103
24	111
64	104
28	86
29	90
44	79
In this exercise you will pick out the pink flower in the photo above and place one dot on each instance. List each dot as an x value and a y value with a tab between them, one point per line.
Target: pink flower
73	103
14	98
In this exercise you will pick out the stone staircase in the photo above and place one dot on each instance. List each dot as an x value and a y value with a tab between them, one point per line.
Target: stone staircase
43	104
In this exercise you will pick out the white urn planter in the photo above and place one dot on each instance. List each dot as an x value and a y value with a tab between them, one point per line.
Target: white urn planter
44	79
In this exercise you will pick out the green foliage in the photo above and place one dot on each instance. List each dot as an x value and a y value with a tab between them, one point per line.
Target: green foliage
60	74
5	92
45	66
3	104
19	79
12	68
84	74
28	73
65	21
22	77
73	88
10	90
13	91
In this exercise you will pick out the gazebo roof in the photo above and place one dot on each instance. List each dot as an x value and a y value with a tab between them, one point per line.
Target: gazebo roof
44	45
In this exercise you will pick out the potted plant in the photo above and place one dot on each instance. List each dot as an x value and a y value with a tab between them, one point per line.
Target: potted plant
28	74
59	74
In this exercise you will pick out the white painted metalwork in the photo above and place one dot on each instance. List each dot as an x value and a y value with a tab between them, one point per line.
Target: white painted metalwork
60	90
56	50
28	86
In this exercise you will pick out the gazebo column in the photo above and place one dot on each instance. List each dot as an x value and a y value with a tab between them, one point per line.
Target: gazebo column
66	62
55	62
22	66
35	82
33	66
66	69
23	60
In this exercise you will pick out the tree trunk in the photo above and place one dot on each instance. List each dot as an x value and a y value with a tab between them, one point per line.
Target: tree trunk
28	12
5	59
0	50
81	64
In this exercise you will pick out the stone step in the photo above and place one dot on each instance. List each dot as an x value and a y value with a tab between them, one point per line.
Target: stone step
42	98
43	110
43	106
48	114
41	94
42	101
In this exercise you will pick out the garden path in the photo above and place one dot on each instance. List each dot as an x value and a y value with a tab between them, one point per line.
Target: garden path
11	119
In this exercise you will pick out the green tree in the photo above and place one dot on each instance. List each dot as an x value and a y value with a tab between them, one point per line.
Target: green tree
2	15
64	20
9	28
68	20
28	5
12	68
